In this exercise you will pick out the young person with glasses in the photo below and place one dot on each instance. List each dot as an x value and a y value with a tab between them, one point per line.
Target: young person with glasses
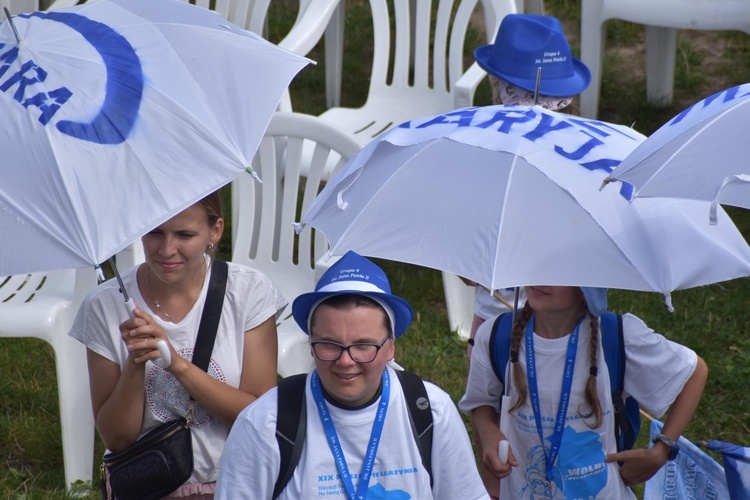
359	441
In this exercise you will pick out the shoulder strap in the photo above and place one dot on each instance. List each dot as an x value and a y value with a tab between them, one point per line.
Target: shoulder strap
613	344
291	426
204	344
420	415
500	344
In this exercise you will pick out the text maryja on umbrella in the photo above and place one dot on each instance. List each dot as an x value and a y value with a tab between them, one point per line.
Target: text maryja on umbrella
124	92
538	125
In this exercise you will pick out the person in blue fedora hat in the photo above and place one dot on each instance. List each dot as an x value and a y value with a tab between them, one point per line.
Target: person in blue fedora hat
526	43
359	439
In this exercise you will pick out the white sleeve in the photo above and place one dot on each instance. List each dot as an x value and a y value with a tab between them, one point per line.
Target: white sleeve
250	462
656	369
454	469
482	387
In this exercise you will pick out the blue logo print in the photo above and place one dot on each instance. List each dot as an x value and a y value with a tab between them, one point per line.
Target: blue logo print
124	88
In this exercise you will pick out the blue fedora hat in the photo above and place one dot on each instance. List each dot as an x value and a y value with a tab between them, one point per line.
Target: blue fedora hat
526	42
354	274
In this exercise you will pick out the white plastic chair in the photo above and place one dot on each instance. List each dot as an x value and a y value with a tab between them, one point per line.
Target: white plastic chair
43	305
662	18
424	81
19	6
263	215
530	6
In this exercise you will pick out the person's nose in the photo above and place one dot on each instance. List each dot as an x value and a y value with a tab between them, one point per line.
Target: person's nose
167	247
346	359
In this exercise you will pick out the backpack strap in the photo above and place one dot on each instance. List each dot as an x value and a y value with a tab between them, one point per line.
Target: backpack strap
500	344
211	316
291	426
420	415
613	345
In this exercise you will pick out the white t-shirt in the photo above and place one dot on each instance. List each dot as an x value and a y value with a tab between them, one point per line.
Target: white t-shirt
251	298
656	371
250	464
486	306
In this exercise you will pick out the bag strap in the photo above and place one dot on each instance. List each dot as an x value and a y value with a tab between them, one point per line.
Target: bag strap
500	344
291	426
613	344
420	415
209	324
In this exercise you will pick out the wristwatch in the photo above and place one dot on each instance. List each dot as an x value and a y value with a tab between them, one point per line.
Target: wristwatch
674	449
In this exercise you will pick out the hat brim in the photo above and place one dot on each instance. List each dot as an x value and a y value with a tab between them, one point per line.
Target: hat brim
401	309
565	87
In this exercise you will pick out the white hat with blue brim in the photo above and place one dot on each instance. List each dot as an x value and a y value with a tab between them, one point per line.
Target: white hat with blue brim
354	274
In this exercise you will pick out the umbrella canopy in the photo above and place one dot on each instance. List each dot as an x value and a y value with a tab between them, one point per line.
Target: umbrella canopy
118	114
509	196
696	153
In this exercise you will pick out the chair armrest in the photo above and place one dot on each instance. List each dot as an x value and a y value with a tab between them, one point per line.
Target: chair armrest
309	26
466	86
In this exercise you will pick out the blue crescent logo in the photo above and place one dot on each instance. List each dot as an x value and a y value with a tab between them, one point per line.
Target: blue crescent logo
124	88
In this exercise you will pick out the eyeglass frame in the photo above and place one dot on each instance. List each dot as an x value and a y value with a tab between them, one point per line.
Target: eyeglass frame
347	349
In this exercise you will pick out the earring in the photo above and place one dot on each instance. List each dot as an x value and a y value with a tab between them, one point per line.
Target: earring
210	247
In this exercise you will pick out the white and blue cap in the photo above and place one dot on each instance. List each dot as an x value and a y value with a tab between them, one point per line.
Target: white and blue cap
596	300
354	274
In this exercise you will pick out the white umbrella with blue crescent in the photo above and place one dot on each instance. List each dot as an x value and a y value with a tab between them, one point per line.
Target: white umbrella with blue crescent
117	114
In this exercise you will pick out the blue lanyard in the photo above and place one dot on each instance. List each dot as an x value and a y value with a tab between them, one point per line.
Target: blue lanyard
562	409
335	444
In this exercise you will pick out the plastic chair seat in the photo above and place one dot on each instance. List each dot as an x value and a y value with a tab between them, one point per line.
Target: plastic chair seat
43	305
662	18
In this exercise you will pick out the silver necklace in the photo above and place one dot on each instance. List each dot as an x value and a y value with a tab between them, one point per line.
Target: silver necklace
153	297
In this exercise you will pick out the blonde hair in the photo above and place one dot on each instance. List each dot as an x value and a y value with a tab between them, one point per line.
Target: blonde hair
594	408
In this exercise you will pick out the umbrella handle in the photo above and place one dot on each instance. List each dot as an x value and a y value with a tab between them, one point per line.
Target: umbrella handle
502	451
166	356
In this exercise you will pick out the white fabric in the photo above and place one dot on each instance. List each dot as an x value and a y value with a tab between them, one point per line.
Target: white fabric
655	373
486	306
137	79
251	298
521	181
250	464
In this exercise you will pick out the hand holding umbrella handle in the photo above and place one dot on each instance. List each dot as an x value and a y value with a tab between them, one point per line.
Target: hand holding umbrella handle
503	446
166	356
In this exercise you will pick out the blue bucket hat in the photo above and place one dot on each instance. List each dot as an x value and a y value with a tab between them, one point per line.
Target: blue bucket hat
354	274
525	42
596	300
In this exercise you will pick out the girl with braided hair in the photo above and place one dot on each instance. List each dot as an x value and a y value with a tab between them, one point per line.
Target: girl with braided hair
561	419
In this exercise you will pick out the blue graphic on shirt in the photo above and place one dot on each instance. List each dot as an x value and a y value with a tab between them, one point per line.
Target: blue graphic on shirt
124	87
580	471
378	492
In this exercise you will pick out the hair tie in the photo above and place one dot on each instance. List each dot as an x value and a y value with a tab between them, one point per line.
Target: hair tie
593	371
513	356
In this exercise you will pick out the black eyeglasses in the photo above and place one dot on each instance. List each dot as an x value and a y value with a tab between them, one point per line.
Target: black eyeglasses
361	353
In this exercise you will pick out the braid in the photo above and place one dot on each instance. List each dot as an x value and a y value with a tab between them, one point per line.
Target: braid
519	375
592	398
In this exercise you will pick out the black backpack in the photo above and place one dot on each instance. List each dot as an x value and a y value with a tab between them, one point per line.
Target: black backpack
627	411
291	422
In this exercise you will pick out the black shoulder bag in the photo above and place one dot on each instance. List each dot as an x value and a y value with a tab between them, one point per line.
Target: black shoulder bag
162	460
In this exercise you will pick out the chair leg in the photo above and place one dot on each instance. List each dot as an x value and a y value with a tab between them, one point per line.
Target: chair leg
76	416
593	36
334	54
459	303
533	7
661	46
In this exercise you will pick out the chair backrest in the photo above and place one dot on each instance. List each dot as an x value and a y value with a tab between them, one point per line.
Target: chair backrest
247	14
426	50
263	213
19	6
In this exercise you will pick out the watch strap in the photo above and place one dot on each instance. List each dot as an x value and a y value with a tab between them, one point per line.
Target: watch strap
673	447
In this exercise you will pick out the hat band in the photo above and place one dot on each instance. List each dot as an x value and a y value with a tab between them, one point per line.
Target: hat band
386	307
359	286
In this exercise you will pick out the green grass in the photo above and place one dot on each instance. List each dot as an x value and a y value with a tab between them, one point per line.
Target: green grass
712	320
